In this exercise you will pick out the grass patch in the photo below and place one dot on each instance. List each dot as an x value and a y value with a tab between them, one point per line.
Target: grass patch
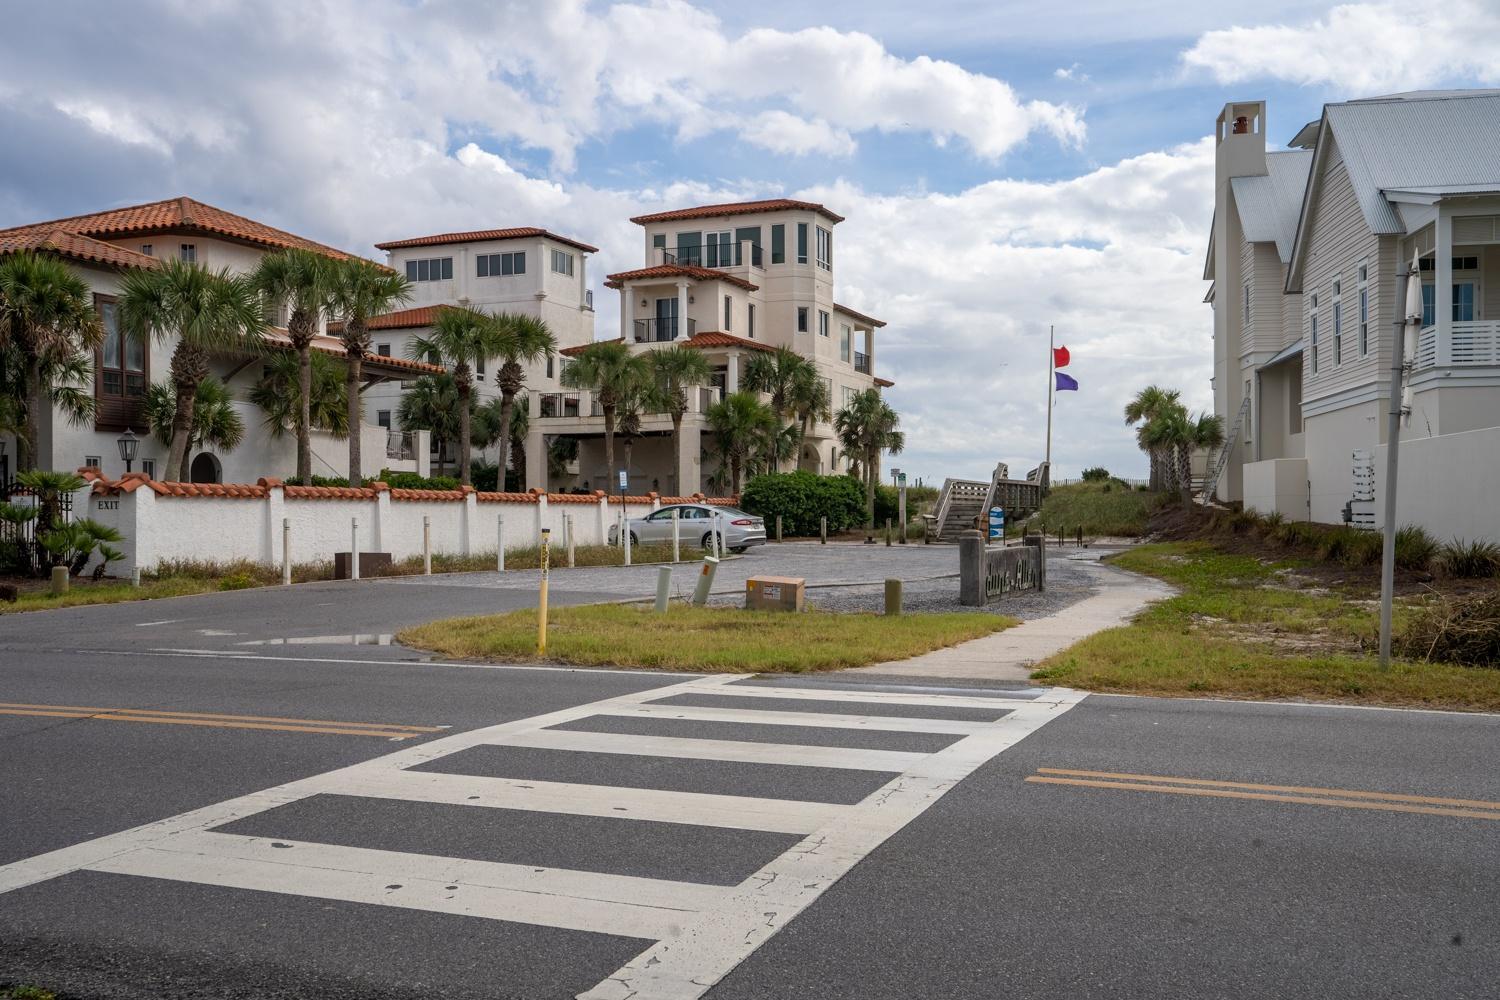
708	639
1107	508
1244	627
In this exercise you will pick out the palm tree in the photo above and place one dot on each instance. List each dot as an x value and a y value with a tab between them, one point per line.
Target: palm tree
609	370
361	289
66	381
812	401
674	371
1148	404
739	423
1163	434
461	339
520	425
302	281
47	321
1206	433
524	340
866	427
279	394
777	374
216	423
431	404
206	312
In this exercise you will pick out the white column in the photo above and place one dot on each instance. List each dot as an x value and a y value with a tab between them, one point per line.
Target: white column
1442	290
627	313
382	518
469	521
536	459
275	511
603	519
689	477
682	309
732	376
870	350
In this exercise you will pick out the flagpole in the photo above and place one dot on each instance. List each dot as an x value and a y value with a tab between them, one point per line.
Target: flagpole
1051	357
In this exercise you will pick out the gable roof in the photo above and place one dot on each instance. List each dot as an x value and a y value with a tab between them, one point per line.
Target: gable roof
1269	203
1433	141
738	208
177	215
677	271
484	236
73	246
859	316
716	338
278	339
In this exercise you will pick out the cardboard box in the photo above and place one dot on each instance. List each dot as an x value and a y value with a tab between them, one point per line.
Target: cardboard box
775	593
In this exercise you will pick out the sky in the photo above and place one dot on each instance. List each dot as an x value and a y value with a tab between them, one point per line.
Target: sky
1004	167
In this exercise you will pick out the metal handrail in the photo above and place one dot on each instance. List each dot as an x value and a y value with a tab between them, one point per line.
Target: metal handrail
655	331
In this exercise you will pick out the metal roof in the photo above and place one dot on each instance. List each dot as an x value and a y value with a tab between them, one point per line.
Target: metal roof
1269	203
1445	140
1285	354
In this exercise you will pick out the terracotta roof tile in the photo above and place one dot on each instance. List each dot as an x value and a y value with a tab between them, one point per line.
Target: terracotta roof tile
738	208
492	497
484	236
330	493
401	319
73	246
876	323
884	383
677	271
179	215
573	352
715	338
427	494
278	339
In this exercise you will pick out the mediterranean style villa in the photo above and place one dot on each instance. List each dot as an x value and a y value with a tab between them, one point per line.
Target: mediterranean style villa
1308	248
730	280
100	247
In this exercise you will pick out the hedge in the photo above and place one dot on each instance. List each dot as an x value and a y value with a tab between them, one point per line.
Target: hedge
802	499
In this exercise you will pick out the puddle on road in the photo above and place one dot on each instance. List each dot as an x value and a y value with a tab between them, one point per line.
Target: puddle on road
356	639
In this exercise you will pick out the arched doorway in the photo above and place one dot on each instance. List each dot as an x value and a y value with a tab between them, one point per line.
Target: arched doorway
205	469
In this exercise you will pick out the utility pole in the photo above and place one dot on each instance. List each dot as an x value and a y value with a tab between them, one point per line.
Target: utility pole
1408	300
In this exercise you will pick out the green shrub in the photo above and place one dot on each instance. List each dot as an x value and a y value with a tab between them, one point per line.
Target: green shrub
1462	630
412	481
1478	559
1415	548
888	505
1272	522
1363	548
238	581
327	481
484	477
27	993
802	498
1097	474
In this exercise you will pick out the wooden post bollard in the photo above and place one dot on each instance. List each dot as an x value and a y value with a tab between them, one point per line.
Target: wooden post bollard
572	554
59	580
893	597
286	551
426	545
663	587
676	534
887	532
778	527
1080	536
354	548
822	531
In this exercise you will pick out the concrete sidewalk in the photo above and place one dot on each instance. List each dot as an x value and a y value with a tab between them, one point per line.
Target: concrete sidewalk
1009	655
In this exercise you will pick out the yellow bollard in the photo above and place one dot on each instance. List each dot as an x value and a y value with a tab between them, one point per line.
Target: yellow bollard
541	605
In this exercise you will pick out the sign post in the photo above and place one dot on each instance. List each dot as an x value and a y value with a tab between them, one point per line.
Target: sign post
541	602
901	501
997	523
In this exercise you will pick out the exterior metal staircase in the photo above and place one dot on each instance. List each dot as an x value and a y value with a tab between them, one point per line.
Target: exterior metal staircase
1211	482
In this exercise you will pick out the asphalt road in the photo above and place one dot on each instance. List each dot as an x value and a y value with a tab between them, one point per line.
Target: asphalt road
817	839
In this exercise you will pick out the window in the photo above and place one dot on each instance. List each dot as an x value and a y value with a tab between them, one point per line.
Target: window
802	243
751	235
188	252
659	241
479	367
562	262
1294	404
846	339
384	350
718	251
778	244
822	323
1459	264
825	248
728	313
122	359
802	319
383	418
1429	306
496	265
1312	341
550	365
146	249
430	269
690	248
1247	305
93	462
148	466
1463	301
1338	325
847	396
1364	310
750	320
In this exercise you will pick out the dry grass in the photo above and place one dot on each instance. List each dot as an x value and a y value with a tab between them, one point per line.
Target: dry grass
701	639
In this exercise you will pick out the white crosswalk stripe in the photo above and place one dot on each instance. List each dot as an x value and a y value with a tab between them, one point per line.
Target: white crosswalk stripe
701	932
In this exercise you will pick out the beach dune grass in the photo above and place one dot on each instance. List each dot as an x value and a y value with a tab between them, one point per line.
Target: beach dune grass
713	640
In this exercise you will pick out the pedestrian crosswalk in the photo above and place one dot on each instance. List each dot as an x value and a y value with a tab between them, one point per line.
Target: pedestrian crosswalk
693	933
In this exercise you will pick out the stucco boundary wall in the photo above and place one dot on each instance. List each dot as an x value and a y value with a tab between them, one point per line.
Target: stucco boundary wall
227	522
1449	484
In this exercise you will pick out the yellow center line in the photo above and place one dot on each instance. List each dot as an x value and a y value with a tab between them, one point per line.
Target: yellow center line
1224	793
1289	789
94	709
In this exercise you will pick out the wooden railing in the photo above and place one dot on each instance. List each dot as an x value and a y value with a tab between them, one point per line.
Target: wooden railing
1470	342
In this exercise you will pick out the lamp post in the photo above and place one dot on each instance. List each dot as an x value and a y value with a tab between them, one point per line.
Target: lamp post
128	443
1403	353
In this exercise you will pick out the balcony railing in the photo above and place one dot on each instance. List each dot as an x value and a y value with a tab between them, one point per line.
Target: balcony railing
714	255
558	404
1471	343
861	362
650	331
400	445
708	396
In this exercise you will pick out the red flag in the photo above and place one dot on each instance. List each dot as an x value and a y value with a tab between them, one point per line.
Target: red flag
1060	357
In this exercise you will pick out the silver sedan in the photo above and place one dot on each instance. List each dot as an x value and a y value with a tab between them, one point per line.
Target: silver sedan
696	525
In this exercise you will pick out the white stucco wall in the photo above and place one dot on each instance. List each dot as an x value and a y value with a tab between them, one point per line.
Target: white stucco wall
1448	484
1278	485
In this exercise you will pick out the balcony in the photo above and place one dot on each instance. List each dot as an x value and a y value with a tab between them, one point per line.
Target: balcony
1472	343
558	404
714	255
401	445
653	331
862	363
708	396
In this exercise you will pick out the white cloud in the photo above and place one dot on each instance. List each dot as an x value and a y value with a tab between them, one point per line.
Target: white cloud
1073	73
1361	48
783	132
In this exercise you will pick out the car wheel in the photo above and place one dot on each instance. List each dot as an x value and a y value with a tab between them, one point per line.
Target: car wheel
707	543
634	541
